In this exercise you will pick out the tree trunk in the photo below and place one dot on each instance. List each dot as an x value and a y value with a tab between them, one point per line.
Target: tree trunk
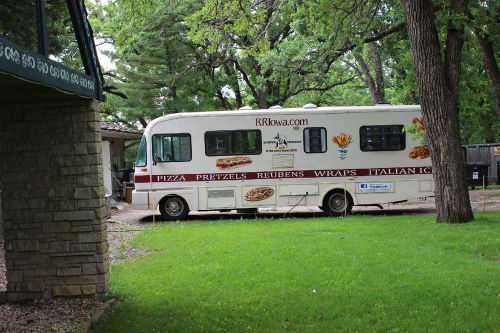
223	100
375	86
440	113
366	76
262	99
234	84
490	63
379	74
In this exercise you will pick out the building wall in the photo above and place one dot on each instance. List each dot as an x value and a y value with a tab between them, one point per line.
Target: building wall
106	166
53	200
113	163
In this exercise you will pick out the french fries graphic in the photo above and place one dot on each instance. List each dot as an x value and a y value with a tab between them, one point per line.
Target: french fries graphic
343	140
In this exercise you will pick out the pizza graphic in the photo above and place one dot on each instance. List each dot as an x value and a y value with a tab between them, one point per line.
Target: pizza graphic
259	193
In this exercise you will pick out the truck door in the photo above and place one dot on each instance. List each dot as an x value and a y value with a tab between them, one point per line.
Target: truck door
171	159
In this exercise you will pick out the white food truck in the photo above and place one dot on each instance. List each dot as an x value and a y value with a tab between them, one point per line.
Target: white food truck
331	157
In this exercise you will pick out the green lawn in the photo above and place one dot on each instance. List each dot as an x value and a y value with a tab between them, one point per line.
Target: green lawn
356	274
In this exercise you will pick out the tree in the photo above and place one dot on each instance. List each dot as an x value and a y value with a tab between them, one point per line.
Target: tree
211	55
158	69
483	19
478	122
438	85
374	81
260	43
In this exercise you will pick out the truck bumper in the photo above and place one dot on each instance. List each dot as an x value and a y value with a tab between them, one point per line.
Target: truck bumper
140	200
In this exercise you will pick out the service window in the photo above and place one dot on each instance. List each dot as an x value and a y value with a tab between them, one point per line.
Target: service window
238	142
315	140
172	147
382	137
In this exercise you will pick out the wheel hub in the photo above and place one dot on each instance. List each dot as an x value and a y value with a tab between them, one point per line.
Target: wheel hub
337	203
174	207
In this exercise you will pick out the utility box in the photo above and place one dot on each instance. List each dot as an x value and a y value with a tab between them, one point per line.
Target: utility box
476	174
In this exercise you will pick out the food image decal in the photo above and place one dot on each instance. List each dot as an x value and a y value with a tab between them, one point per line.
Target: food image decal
232	162
259	193
343	140
417	130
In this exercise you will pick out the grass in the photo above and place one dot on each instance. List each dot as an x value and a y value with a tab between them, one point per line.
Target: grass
489	187
356	274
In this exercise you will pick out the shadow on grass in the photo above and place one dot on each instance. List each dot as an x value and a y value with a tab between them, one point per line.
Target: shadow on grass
214	216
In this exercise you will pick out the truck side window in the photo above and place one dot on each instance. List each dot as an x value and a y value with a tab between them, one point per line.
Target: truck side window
382	138
238	142
172	147
315	140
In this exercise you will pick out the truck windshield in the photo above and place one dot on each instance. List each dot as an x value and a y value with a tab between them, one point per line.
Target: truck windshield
141	154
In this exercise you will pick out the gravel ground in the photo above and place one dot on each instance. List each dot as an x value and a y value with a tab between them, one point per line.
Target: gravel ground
121	228
66	315
59	315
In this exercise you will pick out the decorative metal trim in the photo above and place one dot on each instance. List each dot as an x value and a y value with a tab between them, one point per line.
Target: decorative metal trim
34	67
18	61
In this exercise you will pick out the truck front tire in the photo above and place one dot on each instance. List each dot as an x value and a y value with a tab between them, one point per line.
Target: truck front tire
173	208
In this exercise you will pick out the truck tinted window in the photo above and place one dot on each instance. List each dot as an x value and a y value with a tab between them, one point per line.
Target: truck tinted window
315	140
382	137
141	154
239	142
172	147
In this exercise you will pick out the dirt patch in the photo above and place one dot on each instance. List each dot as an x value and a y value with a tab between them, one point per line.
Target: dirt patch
119	234
481	200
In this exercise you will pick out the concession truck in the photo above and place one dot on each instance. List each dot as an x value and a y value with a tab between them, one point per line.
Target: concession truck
331	157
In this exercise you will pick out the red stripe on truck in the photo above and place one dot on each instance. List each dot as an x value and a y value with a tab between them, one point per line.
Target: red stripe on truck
332	173
142	178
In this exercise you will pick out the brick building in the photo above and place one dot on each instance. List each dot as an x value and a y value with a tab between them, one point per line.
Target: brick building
52	193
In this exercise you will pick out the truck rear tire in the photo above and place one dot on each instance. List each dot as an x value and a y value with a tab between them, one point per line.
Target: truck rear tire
337	203
173	208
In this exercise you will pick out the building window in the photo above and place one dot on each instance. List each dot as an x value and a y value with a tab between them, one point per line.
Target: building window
239	142
315	140
172	147
382	137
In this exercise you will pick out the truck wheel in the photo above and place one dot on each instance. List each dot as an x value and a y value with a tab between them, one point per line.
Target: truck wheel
335	204
173	209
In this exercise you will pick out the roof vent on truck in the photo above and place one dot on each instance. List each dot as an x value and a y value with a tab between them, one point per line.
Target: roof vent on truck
246	107
310	106
276	107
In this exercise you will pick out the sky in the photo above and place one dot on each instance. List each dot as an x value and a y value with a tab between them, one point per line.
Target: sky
106	63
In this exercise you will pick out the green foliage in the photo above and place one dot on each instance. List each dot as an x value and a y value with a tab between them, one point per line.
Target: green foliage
18	24
417	131
211	55
478	123
157	68
356	274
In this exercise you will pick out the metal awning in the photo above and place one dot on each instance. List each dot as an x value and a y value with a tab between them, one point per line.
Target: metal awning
37	67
